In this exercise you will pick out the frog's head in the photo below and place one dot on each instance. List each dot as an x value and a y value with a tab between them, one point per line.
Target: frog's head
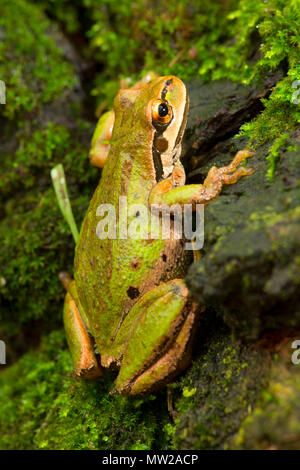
155	116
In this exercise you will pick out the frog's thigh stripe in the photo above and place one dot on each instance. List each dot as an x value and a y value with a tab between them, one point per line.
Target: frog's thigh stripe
174	361
84	360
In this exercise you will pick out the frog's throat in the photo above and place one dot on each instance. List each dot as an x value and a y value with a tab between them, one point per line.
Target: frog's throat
162	171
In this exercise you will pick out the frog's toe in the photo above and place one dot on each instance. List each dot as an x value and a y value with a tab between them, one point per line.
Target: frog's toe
238	158
232	178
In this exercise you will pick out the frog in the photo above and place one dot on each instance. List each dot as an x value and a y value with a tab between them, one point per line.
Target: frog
128	307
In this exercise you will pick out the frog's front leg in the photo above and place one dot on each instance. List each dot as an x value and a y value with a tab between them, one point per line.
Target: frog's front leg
158	334
80	343
165	191
100	142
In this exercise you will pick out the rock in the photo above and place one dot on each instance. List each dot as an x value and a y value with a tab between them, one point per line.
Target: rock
221	388
250	271
274	423
240	392
218	109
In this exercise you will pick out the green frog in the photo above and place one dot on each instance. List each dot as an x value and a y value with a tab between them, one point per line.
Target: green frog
128	307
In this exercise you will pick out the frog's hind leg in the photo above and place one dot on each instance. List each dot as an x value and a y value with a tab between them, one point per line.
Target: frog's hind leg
160	329
79	340
172	363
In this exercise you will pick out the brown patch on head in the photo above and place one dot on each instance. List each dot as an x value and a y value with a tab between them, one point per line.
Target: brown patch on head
125	176
124	103
92	263
109	272
125	98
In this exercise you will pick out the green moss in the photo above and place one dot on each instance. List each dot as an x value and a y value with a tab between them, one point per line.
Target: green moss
223	384
40	126
169	37
43	407
69	14
36	239
28	389
274	423
31	64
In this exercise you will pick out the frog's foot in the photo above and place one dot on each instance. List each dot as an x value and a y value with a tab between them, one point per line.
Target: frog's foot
229	174
80	342
159	332
165	191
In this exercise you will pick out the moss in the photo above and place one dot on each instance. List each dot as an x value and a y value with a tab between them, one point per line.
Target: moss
28	389
219	390
86	417
35	239
40	126
43	407
274	422
31	64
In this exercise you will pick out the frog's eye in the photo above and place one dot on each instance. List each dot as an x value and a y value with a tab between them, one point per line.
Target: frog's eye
161	112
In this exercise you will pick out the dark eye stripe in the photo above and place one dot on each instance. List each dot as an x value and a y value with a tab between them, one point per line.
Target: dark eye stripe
184	120
165	89
158	166
158	136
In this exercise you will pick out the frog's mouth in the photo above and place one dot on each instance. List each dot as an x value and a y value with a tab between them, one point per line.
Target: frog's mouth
164	152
